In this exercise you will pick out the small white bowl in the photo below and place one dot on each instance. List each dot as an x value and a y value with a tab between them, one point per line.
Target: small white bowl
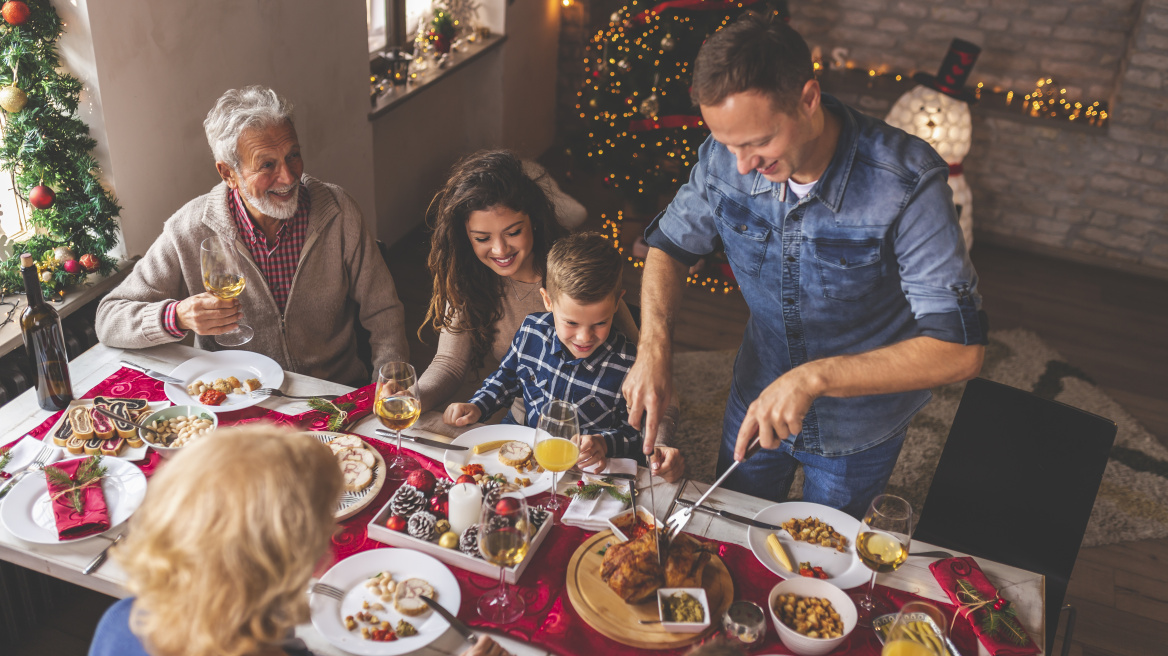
623	518
170	413
684	627
807	587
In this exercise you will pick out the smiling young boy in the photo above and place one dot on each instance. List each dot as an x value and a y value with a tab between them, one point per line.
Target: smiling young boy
569	353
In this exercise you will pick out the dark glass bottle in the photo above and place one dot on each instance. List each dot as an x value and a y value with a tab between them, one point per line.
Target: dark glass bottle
44	342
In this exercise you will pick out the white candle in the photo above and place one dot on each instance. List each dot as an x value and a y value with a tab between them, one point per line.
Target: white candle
465	504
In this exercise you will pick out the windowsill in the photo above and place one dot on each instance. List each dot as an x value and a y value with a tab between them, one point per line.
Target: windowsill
399	95
10	337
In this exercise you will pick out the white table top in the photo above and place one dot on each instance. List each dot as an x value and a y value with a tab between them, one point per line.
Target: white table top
1026	589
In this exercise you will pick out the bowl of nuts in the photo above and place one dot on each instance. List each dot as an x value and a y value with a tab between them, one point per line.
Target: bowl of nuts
813	617
174	427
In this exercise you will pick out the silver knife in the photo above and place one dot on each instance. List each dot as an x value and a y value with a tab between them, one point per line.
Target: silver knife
456	623
100	559
422	440
725	514
156	375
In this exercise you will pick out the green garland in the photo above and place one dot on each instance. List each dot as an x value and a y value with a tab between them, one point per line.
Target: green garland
337	413
593	490
46	144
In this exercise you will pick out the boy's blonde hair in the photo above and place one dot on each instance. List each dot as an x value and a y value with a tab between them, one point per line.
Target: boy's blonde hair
585	267
221	550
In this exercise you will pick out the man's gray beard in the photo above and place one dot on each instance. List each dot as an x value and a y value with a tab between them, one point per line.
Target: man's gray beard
273	208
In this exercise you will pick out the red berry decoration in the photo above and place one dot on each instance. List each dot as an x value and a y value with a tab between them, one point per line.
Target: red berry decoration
999	603
466	478
41	197
421	479
439	504
72	266
89	261
396	523
506	506
15	12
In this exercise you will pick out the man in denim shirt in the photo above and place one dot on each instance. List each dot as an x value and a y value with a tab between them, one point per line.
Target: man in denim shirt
842	234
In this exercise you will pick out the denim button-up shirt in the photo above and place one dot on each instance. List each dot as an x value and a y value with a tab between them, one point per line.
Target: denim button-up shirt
871	256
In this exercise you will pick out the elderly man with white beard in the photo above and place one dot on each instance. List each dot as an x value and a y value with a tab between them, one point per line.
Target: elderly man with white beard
312	269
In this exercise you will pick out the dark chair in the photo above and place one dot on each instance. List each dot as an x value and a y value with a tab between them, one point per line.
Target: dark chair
1016	483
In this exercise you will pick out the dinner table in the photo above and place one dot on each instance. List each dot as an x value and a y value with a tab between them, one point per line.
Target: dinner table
98	364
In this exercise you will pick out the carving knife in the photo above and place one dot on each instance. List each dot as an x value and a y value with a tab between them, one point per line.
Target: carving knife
458	625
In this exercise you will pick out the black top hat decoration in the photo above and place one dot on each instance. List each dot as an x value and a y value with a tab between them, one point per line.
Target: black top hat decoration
950	80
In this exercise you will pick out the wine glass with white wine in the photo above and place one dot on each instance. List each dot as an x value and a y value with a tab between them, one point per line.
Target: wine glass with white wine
223	276
504	537
398	407
555	449
882	545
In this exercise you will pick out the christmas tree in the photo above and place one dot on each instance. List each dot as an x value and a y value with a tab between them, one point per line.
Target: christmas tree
46	149
641	131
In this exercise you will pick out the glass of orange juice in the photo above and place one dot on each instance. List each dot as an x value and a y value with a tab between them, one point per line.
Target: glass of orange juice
554	449
918	630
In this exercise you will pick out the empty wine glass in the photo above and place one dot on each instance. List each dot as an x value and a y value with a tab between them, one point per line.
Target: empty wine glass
504	537
882	545
223	276
554	449
398	407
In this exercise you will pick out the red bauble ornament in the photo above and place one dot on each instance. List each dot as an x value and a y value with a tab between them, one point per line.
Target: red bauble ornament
89	261
15	12
466	478
72	266
41	197
506	506
439	503
421	479
396	523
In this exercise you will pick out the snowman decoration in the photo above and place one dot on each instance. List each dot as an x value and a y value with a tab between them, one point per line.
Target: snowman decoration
938	111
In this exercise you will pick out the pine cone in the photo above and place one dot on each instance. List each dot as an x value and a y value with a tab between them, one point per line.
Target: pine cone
443	485
492	490
499	521
424	526
407	501
537	515
469	542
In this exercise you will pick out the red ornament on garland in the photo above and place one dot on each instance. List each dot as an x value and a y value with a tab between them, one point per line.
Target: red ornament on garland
89	261
41	197
72	266
396	523
15	12
421	479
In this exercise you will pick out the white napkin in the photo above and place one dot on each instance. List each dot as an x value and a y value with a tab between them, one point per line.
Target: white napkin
24	450
592	514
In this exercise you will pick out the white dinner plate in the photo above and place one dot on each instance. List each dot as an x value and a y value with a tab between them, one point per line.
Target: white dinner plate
27	511
844	570
350	575
455	460
222	364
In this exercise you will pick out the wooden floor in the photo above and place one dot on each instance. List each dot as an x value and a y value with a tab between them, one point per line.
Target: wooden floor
1111	325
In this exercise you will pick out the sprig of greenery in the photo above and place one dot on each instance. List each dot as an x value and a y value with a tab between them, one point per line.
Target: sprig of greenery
89	470
337	413
592	490
999	623
5	456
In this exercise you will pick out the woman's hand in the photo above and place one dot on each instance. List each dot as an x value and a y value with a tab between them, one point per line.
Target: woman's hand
485	647
593	452
461	414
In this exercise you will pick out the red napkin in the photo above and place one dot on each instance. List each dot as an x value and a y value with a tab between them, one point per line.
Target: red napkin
94	517
361	397
948	572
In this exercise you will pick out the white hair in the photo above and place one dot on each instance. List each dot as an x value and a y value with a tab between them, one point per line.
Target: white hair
238	110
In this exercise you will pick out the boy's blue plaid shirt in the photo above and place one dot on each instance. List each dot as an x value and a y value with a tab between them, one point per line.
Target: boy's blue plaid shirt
539	366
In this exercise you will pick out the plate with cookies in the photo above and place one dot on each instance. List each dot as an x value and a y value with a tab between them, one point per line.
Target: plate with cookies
382	612
81	430
363	469
220	381
816	541
502	451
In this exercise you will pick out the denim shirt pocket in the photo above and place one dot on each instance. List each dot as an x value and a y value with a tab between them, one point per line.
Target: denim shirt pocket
744	235
593	411
848	268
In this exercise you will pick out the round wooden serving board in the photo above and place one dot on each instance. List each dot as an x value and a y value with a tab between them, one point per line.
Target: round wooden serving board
606	612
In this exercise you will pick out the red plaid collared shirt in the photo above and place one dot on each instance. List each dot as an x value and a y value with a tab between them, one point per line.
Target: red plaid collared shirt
277	261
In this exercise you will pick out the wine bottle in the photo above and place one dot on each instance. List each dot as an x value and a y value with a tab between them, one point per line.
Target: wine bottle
45	342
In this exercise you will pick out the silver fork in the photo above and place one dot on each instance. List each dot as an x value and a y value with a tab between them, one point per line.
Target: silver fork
679	519
37	464
328	591
272	391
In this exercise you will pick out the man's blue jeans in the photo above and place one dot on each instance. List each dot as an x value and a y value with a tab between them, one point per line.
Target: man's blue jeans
848	482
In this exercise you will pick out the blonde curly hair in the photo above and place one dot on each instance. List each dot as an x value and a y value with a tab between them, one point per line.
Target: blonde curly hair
220	552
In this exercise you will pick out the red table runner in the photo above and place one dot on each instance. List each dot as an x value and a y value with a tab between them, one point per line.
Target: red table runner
550	620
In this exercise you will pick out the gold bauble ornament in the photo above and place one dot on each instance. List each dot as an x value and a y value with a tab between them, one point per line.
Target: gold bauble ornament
47	276
63	254
448	540
12	99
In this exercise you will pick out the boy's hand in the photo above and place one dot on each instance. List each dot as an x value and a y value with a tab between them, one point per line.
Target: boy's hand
461	414
668	463
593	452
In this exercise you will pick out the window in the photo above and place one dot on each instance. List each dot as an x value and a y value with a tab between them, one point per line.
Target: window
375	16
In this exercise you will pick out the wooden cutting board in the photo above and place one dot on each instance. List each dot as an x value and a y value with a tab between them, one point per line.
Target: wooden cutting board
606	612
